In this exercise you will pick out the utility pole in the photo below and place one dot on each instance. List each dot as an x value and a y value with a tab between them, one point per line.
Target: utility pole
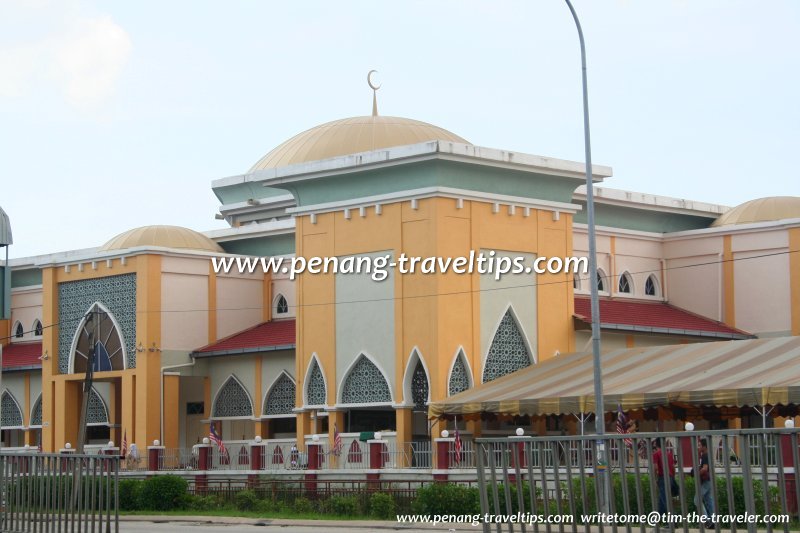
603	478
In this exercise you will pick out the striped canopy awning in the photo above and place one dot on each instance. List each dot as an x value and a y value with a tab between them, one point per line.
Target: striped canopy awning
722	374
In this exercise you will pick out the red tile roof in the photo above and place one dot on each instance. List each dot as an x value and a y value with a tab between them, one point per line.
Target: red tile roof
267	336
653	317
17	355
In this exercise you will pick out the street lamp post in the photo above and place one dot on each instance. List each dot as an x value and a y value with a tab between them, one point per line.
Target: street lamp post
601	473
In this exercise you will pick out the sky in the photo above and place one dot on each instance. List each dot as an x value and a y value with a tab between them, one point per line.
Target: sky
115	115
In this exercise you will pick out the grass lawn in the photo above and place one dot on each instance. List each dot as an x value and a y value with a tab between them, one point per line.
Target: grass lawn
246	514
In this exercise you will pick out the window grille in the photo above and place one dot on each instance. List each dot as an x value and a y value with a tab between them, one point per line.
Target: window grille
232	400
419	386
10	415
36	414
459	377
508	352
280	400
365	384
316	394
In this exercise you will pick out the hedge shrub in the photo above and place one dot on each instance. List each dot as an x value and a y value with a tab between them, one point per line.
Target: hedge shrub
446	498
382	506
164	493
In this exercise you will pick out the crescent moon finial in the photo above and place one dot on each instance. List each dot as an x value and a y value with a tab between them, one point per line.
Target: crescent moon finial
374	92
369	80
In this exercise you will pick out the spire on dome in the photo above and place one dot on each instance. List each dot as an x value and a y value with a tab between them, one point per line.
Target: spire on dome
374	92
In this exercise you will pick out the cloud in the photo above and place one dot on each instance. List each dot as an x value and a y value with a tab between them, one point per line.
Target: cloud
81	57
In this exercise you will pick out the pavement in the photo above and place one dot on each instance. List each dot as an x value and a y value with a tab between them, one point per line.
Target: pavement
214	524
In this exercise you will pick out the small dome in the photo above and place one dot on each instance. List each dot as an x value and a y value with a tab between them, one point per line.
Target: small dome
164	237
352	136
761	210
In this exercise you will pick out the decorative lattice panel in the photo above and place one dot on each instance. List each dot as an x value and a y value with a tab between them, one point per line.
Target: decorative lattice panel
10	415
232	400
365	384
36	414
116	293
459	377
280	400
508	352
97	413
316	393
419	386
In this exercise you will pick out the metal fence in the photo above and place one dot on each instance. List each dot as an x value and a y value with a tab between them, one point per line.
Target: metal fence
554	480
53	493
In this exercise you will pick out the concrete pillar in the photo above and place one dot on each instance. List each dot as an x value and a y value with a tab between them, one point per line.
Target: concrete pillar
443	460
789	472
257	460
404	435
203	466
155	457
172	411
314	464
303	428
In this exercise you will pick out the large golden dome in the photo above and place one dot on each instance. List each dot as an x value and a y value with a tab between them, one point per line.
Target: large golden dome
761	210
164	237
352	136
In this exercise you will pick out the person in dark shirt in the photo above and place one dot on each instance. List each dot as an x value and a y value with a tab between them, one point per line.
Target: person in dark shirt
706	504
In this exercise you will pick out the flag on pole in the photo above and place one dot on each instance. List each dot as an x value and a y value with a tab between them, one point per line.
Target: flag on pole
622	425
125	444
457	444
337	441
216	439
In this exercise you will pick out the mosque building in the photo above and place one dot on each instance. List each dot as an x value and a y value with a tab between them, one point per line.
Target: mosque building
179	345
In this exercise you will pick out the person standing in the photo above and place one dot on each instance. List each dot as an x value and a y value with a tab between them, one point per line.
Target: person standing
706	503
665	480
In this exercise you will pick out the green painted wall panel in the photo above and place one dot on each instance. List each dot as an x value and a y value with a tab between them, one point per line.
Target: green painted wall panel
25	278
614	216
261	246
434	173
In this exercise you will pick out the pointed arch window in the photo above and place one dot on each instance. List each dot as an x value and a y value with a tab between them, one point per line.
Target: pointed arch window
419	386
37	328
601	285
651	286
232	400
280	398
10	413
459	376
19	331
625	283
508	352
109	346
365	384
97	413
316	391
281	305
36	412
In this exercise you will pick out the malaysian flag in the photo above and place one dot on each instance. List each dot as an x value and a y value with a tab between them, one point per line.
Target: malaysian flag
125	444
622	425
337	441
457	445
216	439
